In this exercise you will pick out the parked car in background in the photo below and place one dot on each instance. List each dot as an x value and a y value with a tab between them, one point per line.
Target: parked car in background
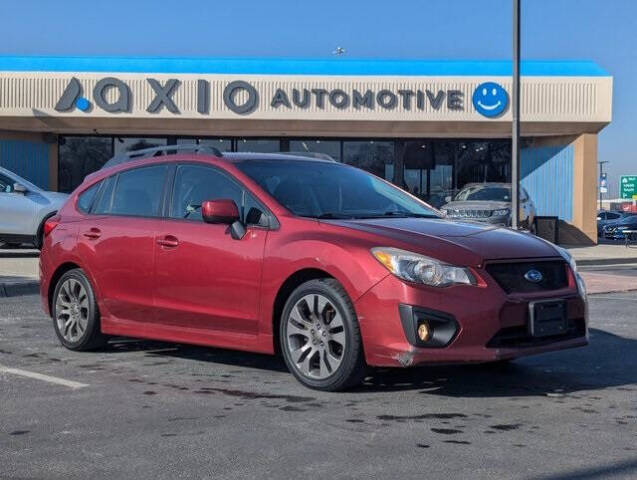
615	230
489	203
24	208
333	267
607	217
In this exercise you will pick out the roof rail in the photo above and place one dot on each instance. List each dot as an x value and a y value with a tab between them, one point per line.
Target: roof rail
158	151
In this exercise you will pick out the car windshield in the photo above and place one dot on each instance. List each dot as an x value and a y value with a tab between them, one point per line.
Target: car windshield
18	179
482	192
332	190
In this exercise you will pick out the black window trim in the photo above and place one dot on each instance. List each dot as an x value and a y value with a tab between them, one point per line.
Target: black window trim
272	221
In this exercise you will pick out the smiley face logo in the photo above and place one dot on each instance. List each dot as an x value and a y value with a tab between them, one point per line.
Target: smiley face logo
490	99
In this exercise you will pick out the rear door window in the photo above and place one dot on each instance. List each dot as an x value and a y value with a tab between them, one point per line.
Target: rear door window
136	192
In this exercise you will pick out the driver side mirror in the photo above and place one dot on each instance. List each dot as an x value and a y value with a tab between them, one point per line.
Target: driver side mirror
220	211
19	188
223	211
448	198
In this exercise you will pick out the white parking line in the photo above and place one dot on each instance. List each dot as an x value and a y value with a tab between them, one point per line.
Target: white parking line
44	378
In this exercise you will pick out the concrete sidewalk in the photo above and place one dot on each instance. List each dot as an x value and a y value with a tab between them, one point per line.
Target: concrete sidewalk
604	254
18	272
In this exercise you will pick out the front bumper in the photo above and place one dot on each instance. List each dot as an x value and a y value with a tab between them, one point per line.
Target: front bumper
491	325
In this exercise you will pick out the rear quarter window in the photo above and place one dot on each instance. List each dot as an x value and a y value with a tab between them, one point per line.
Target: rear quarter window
86	198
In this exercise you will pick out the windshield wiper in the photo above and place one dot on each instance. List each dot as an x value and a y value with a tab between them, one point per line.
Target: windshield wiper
406	215
332	215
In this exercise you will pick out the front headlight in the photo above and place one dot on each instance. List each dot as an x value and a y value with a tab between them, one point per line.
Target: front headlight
417	268
501	213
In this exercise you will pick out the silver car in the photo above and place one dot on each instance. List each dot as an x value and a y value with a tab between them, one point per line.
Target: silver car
24	208
489	203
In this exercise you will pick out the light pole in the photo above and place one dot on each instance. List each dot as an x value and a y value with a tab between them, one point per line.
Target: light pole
601	171
515	133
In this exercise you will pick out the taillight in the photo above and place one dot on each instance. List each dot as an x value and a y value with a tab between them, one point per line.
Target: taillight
50	224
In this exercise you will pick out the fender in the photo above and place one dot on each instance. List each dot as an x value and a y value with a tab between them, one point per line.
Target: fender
335	258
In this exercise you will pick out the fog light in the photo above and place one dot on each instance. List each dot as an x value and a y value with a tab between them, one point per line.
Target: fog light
423	332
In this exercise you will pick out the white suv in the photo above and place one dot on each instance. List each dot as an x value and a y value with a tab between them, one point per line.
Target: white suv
24	209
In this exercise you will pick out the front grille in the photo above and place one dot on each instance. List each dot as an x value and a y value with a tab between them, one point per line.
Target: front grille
519	337
510	276
469	213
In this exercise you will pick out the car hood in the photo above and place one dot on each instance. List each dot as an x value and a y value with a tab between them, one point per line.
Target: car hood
56	199
459	242
477	205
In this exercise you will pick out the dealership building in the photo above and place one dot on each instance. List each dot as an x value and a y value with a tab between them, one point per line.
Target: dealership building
429	126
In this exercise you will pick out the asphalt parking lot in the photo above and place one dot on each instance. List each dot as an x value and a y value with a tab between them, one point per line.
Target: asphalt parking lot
155	410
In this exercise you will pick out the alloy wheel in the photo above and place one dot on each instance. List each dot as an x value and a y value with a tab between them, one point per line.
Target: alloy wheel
316	339
72	310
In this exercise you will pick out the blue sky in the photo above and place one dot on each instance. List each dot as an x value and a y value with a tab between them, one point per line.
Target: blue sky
600	30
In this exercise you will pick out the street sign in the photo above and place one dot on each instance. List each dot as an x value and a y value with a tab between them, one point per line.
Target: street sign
627	186
603	183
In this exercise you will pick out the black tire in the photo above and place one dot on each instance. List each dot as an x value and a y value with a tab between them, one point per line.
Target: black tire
92	337
352	365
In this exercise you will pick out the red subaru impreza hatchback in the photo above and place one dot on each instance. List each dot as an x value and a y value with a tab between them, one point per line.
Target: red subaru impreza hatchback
325	263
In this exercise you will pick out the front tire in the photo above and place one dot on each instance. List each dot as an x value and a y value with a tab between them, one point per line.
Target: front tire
320	336
76	317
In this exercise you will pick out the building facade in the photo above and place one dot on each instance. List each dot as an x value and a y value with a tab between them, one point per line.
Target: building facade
430	127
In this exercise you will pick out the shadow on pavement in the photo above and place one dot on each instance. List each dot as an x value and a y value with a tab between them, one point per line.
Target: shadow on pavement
600	365
597	473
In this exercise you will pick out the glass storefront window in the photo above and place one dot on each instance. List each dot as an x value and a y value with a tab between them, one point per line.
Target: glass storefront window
374	156
80	156
261	145
431	169
436	169
328	147
223	144
128	144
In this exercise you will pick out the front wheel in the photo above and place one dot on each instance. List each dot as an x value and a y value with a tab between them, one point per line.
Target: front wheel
75	314
320	337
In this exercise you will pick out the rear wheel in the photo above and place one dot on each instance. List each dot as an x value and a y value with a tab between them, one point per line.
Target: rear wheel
75	314
320	337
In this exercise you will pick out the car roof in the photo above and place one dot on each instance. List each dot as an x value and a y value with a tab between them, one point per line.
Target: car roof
177	153
487	184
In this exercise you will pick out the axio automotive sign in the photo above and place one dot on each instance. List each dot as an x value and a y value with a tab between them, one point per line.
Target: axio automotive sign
243	98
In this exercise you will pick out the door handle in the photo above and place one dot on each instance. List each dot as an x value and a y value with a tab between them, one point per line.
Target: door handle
169	241
93	233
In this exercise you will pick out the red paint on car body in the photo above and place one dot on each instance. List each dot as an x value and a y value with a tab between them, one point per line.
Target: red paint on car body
192	282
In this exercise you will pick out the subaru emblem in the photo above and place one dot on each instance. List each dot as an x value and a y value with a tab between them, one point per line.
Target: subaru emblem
534	276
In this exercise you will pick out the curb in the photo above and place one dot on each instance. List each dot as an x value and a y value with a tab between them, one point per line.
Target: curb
16	289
